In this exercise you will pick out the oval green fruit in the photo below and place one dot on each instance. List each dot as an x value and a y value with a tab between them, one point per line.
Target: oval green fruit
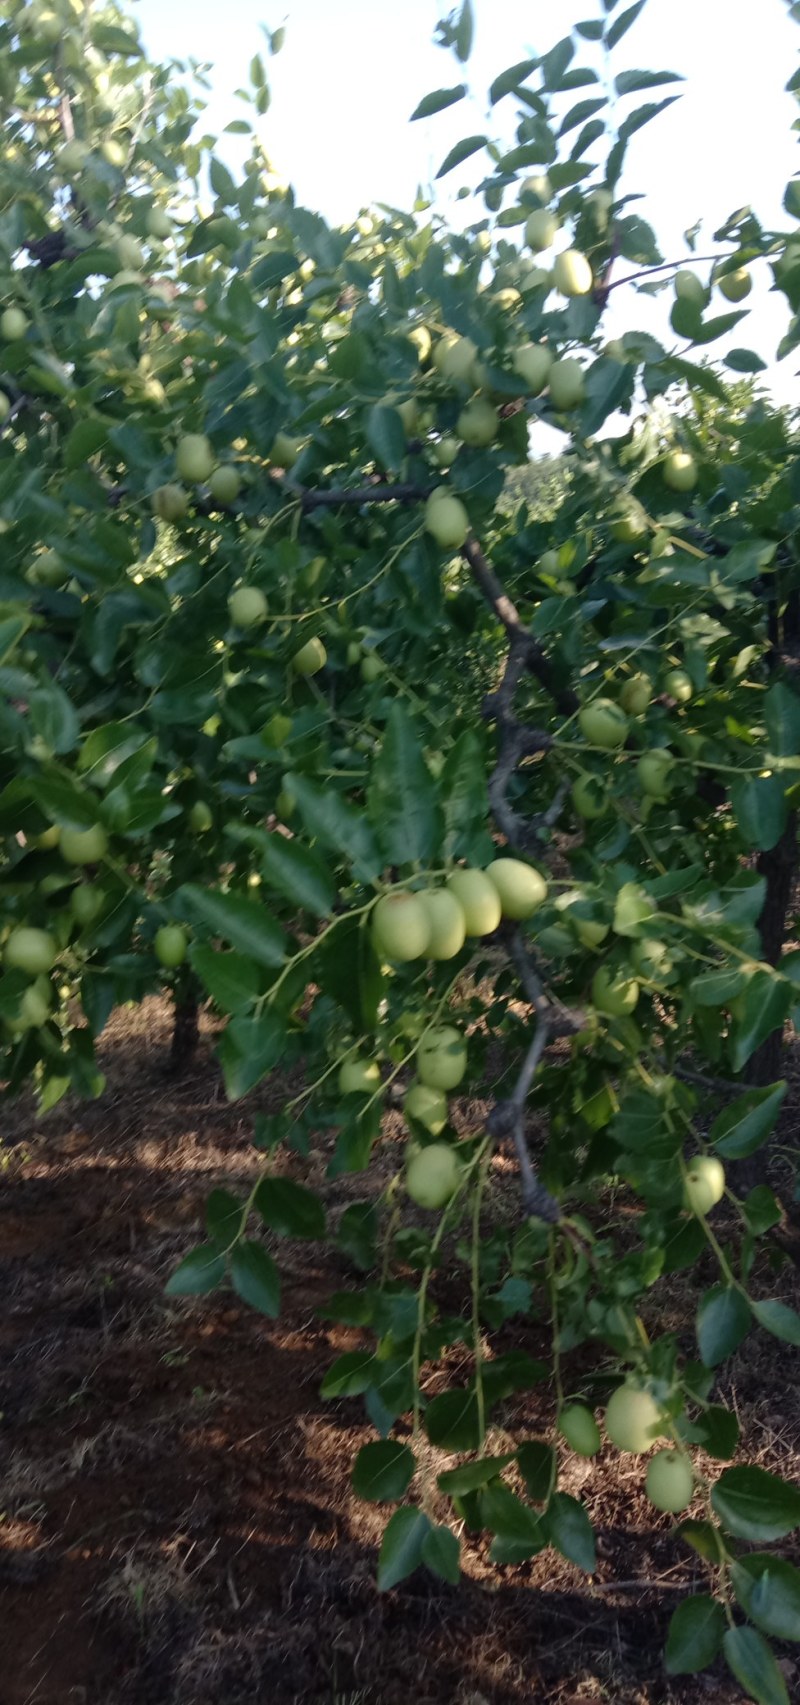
572	274
654	773
533	362
432	1176
427	1106
285	450
669	1482
275	733
86	902
454	358
565	383
170	944
83	846
688	288
446	921
578	1426
477	423
521	888
734	286
225	484
358	1077
310	658
541	229
636	695
13	324
372	667
441	1057
704	1184
652	960
615	991
200	817
194	458
633	1419
446	519
679	685
400	927
31	950
478	899
589	796
247	606
603	723
680	471
35	1006
170	502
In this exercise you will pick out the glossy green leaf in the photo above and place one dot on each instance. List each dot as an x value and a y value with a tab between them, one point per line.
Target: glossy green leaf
199	1272
510	80
741	1128
386	437
383	1471
452	1421
401	1547
438	100
632	82
462	151
755	1505
779	1319
537	1465
288	1208
298	873
402	795
570	1531
766	1002
230	979
695	1635
782	717
749	1658
473	1475
768	1589
723	1320
623	23
441	1552
244	924
331	819
759	804
255	1278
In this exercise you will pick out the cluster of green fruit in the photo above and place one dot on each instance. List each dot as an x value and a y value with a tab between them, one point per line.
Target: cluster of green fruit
734	284
434	923
433	1172
633	1422
196	464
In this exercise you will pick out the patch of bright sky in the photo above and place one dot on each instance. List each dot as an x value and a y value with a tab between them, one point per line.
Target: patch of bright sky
351	72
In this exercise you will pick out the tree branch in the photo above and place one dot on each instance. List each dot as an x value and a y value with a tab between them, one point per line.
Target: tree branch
379	492
663	266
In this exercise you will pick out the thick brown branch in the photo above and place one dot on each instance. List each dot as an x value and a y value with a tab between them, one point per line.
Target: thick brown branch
526	652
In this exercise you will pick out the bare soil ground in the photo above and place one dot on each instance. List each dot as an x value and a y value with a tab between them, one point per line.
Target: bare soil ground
177	1525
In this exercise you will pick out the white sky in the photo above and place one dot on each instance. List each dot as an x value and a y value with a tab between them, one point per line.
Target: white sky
352	71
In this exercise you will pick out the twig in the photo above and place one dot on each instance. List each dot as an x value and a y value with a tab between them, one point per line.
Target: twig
380	492
663	266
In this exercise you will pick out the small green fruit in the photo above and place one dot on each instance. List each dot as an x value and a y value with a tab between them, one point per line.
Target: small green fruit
614	991
636	695
446	519
200	817
680	471
170	502
541	229
704	1184
83	846
533	361
688	288
247	606
734	286
285	450
31	950
86	902
654	773
194	458
159	224
170	945
372	667
578	1426
426	1106
454	358
400	927
477	424
566	383
275	733
359	1077
572	274
521	889
432	1176
633	1419
441	1057
225	484
13	324
604	724
669	1482
589	797
447	923
310	658
679	685
479	900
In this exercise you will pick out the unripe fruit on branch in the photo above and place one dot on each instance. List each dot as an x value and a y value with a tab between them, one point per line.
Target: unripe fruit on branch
478	899
669	1482
680	471
540	229
614	991
358	1077
13	324
446	519
170	502
200	817
654	773
477	423
578	1426
427	1106
310	658
688	288
83	846
604	724
735	286
521	889
400	927
31	950
454	358
446	922
636	695
285	450
679	685
247	606
704	1184
225	484
432	1176
565	383
533	361
633	1419
170	943
194	457
589	797
441	1057
572	274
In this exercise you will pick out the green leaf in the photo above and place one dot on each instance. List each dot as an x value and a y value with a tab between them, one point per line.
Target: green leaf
246	924
231	980
465	30
554	64
749	1658
782	717
199	1272
776	1317
386	436
290	1209
617	30
569	1529
452	1421
631	82
760	809
337	824
509	80
633	909
695	1635
473	1475
744	361
755	1505
221	182
742	1127
717	988
768	1589
580	112
402	794
351	1374
441	1552
462	796
537	1465
761	1210
54	718
438	100
717	1430
723	1320
255	1277
383	1471
518	1530
348	969
401	1547
462	151
249	1048
357	1234
223	1219
766	1003
299	874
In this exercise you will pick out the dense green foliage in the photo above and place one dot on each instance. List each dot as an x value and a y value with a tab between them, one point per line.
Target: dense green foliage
255	691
